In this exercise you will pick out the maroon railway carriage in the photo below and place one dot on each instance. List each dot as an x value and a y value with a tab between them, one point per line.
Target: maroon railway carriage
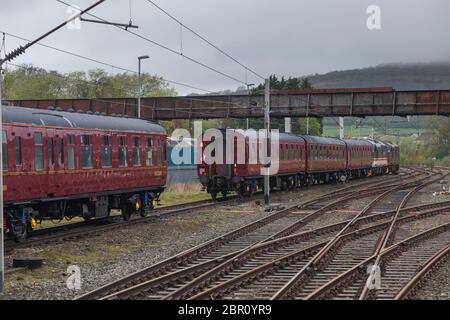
326	159
359	157
245	176
63	164
303	160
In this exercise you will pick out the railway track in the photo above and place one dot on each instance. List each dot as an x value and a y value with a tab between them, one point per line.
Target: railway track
250	264
208	255
71	231
406	265
208	279
76	230
426	269
340	255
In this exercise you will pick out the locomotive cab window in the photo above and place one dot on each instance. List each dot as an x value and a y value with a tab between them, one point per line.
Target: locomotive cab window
4	151
86	152
18	150
38	152
123	159
106	154
136	152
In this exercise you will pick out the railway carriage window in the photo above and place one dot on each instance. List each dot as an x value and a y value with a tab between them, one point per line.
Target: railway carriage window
70	151
4	151
159	152
38	152
18	150
149	159
50	156
106	153
60	147
136	152
164	148
123	159
86	152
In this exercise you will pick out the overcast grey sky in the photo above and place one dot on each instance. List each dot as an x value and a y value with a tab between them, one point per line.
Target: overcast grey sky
285	37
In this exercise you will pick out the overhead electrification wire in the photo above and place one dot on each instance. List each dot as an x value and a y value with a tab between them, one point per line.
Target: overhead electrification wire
166	48
205	40
101	62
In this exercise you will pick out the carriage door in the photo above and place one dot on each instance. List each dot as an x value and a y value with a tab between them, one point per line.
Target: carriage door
59	164
52	181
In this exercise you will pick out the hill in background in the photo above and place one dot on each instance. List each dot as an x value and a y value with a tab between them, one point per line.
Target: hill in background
400	76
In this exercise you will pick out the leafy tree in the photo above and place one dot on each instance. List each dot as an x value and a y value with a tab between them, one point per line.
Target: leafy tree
29	82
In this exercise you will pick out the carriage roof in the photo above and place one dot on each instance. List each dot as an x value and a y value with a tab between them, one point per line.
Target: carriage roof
64	119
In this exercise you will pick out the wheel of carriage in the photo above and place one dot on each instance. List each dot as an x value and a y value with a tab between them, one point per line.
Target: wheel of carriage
144	211
126	212
252	191
213	195
21	233
146	208
224	194
241	192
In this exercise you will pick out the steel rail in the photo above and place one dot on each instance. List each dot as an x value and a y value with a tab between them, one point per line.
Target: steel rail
355	274
197	274
329	249
433	263
168	265
281	263
387	237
